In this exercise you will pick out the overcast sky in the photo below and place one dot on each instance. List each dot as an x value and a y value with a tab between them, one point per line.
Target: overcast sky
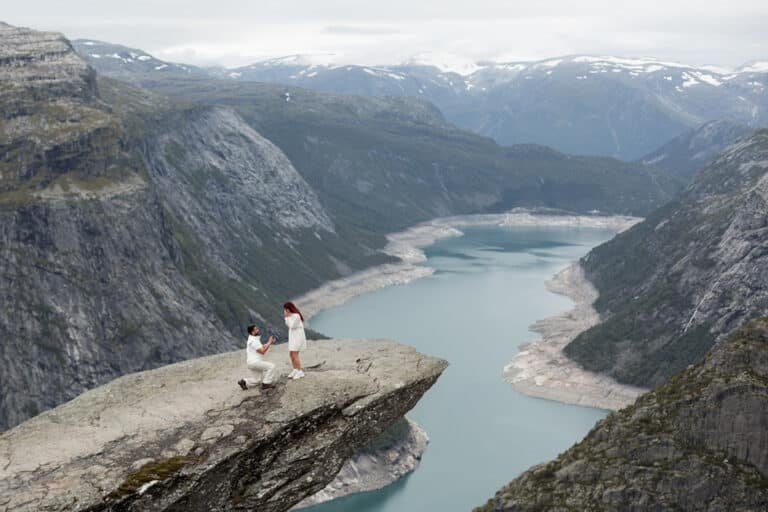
230	32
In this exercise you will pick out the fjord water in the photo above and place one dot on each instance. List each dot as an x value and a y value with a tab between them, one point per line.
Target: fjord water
474	312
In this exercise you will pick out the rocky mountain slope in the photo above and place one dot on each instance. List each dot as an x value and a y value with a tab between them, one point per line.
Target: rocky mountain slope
390	162
393	454
249	226
130	64
185	437
577	104
140	229
697	443
88	260
137	232
686	277
690	152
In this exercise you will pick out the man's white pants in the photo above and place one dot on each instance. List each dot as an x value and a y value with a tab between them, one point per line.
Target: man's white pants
264	370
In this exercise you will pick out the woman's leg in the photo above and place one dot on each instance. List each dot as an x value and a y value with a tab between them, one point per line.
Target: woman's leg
295	359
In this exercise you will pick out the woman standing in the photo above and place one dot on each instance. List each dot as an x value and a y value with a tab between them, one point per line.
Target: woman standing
297	340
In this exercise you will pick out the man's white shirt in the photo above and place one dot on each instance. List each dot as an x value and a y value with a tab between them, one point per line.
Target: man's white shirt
254	343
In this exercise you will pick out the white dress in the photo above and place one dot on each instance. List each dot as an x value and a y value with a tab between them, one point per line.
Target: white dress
297	340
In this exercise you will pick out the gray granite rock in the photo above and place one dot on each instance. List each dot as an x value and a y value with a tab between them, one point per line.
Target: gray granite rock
697	443
686	277
186	437
136	231
389	457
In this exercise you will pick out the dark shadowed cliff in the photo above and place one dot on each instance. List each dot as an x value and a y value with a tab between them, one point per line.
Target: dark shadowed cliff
697	443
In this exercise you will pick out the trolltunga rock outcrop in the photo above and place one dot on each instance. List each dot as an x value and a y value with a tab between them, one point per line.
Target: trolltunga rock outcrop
185	437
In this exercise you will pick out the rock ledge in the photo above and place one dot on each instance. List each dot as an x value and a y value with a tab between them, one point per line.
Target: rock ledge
185	437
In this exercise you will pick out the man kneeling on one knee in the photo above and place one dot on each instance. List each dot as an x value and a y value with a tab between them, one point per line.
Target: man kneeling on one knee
255	352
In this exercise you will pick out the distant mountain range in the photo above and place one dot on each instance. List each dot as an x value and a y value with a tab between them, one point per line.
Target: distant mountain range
141	228
577	104
686	154
146	225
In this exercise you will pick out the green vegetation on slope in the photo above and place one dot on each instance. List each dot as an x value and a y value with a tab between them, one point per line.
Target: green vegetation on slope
678	447
690	274
385	163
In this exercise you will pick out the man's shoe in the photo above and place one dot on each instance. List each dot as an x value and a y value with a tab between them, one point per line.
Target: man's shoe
267	386
242	384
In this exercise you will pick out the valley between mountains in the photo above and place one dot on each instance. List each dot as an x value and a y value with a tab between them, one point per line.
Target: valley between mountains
149	210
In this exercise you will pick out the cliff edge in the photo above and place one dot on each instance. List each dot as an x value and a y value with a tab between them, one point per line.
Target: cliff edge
697	443
185	437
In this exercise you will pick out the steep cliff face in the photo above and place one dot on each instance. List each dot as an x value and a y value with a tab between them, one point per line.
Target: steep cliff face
88	261
186	438
252	231
91	290
684	278
697	443
136	232
53	130
393	454
693	150
384	164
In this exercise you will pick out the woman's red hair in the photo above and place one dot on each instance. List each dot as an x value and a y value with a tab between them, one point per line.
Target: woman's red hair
290	306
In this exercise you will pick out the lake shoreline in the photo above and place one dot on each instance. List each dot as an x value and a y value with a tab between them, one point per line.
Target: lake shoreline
541	369
370	470
408	245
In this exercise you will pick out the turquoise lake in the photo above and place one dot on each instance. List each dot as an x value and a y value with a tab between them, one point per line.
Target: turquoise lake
474	311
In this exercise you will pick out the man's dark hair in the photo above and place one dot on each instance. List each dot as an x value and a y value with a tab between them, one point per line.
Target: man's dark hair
251	328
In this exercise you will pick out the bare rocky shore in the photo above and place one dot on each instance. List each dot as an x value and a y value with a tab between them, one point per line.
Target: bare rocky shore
541	369
408	246
539	374
396	453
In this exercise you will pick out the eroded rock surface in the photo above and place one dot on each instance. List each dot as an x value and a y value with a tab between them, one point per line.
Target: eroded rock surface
697	443
686	277
392	455
137	232
185	437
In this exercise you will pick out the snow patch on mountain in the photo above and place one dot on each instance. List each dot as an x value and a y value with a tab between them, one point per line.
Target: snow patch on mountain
548	63
384	73
314	59
446	63
755	67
